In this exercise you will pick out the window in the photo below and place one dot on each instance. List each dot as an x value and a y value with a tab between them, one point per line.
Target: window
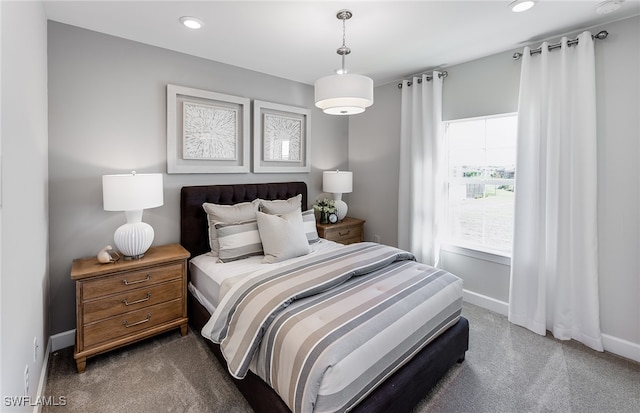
481	181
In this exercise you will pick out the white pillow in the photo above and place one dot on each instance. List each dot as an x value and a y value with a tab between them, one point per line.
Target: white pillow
227	214
310	229
283	236
238	241
281	206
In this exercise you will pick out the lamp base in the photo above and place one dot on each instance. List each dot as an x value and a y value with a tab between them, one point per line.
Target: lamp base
133	239
132	258
341	208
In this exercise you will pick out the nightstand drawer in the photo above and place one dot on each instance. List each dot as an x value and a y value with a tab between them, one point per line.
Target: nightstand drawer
344	234
132	300
132	322
124	282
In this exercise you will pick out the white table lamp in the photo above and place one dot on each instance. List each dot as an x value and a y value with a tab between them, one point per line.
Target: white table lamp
338	183
132	193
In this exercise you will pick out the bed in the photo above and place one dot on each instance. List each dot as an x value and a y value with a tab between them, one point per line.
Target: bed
398	388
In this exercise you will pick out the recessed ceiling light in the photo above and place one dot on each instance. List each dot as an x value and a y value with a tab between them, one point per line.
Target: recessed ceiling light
191	22
608	6
521	5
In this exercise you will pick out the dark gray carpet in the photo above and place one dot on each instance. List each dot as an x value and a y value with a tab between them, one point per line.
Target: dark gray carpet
507	369
168	373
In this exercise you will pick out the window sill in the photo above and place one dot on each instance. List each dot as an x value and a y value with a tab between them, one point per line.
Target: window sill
486	255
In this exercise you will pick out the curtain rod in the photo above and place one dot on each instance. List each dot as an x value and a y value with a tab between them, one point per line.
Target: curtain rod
441	75
601	35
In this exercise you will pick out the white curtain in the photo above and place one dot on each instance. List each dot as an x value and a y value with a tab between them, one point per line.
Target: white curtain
421	186
554	267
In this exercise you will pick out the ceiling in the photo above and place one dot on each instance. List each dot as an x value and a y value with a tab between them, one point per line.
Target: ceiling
297	40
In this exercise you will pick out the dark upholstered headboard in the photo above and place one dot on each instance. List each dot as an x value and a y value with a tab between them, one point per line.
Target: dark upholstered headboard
193	220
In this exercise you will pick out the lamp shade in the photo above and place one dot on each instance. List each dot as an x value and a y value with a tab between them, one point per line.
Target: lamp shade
132	192
345	94
337	182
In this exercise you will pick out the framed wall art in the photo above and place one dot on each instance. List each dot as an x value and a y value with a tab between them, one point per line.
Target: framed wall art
280	138
207	132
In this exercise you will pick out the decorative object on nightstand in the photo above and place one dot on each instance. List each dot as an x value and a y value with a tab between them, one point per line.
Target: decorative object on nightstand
128	301
348	231
107	255
325	207
337	183
132	193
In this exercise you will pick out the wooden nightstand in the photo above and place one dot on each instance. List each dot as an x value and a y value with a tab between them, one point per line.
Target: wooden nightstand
347	231
127	301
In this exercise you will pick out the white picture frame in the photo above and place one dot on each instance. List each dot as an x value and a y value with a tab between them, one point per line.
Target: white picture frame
280	138
207	132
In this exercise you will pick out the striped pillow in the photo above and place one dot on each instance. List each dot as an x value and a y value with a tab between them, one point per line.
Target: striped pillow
309	224
227	214
238	241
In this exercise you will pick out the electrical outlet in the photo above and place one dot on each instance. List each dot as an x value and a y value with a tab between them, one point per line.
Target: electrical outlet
35	349
26	380
376	238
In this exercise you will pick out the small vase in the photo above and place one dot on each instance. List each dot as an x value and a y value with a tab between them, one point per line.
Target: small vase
324	218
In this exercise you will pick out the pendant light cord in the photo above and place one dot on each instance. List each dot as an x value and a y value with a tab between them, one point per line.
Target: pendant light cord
343	50
344	45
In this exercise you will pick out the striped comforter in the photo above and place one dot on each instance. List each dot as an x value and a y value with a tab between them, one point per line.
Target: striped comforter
325	331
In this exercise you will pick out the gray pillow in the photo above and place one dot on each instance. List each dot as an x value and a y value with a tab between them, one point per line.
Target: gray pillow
281	206
283	236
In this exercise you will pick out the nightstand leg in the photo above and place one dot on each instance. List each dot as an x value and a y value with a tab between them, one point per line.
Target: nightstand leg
81	364
184	329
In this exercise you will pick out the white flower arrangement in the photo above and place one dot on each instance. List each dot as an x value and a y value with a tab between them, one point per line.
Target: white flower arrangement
326	206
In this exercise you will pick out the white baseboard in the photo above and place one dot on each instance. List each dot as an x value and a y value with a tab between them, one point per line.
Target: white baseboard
55	343
483	301
614	345
62	340
42	383
621	347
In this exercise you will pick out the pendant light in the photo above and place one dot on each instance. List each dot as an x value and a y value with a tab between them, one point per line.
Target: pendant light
344	93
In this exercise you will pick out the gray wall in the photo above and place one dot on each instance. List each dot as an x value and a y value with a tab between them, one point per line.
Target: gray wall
489	86
107	108
618	92
374	159
24	211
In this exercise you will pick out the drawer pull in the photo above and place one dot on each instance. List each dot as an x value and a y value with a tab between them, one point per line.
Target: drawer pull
142	300
125	282
127	325
344	234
